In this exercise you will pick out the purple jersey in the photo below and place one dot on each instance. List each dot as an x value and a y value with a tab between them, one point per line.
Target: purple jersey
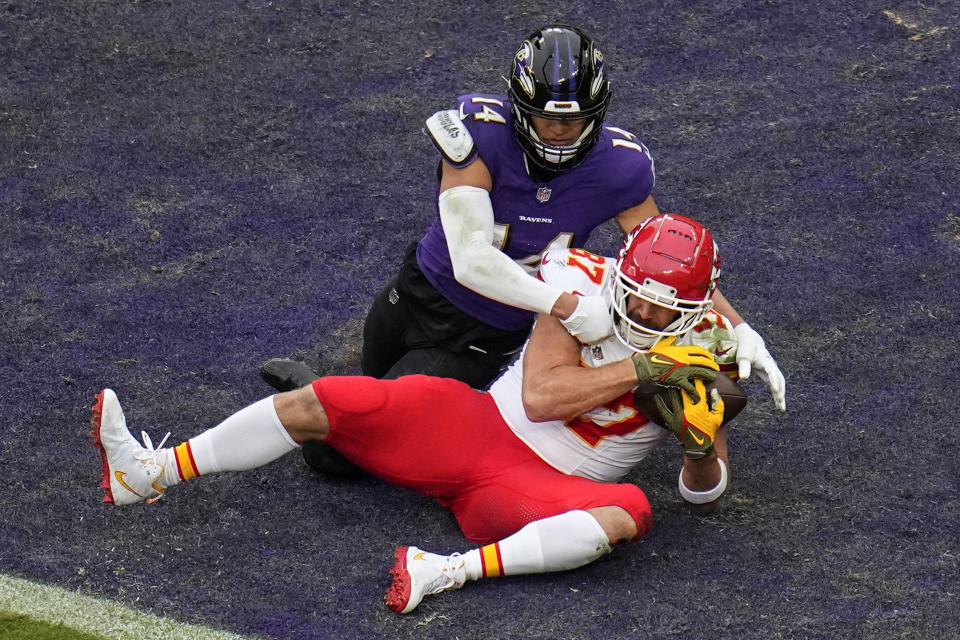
531	217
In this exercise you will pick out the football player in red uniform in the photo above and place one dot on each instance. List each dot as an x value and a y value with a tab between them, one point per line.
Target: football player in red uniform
533	468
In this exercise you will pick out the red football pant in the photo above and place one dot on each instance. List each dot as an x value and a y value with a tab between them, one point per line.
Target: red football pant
443	439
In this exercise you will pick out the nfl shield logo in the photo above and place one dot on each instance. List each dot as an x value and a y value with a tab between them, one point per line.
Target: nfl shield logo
543	194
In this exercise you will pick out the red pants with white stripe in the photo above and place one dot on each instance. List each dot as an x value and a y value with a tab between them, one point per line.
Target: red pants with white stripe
443	439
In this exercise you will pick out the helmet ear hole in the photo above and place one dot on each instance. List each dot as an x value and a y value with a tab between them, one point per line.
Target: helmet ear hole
671	261
558	74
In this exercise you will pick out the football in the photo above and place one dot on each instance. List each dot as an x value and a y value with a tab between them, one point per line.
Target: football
734	398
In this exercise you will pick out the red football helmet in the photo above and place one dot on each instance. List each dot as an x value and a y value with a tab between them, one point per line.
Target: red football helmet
669	260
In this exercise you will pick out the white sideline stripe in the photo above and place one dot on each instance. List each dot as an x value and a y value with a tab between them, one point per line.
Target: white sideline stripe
103	618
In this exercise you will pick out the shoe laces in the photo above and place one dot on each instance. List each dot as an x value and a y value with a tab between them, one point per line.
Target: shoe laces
449	567
148	452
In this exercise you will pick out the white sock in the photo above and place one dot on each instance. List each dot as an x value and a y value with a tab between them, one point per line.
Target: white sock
248	439
558	543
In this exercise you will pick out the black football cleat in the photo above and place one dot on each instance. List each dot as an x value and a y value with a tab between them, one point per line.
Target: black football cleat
284	374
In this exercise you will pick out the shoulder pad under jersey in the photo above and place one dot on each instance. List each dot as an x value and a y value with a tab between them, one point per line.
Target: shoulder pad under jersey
451	137
575	270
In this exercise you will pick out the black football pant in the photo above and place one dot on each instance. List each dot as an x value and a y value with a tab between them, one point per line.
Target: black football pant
411	328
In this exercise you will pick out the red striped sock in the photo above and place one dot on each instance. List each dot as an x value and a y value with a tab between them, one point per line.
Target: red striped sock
186	465
491	561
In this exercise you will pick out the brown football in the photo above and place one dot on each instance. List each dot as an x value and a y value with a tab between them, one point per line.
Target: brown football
734	398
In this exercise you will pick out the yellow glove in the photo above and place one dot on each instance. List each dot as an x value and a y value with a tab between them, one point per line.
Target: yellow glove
671	365
694	423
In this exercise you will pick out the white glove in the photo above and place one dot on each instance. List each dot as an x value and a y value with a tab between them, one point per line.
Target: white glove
752	352
591	320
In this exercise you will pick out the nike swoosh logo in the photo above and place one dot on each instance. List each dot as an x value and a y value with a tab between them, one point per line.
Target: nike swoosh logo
656	360
462	114
693	435
725	351
421	554
119	476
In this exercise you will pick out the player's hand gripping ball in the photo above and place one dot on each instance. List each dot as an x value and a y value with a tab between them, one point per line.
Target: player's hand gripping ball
674	365
694	423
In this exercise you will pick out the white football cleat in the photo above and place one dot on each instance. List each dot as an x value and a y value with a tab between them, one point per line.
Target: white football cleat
417	573
131	471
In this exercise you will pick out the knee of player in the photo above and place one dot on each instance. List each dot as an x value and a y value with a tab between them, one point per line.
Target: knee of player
618	525
628	518
302	415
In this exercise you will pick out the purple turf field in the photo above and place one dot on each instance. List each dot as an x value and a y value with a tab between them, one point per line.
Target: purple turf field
188	189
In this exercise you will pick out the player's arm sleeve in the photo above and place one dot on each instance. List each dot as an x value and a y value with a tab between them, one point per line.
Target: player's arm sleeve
466	214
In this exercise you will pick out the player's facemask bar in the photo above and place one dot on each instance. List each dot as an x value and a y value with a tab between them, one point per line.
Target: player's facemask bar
639	337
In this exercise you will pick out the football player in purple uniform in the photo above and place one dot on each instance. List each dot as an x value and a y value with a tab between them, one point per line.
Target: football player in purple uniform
519	175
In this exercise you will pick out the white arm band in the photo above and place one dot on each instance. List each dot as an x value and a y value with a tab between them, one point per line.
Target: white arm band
703	497
466	214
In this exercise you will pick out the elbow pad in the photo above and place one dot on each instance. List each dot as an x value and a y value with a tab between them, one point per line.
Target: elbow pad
466	214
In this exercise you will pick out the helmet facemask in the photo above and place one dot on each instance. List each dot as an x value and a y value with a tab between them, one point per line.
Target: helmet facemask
670	261
638	336
558	74
551	158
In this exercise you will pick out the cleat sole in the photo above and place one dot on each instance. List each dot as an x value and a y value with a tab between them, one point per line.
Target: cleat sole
398	593
95	419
